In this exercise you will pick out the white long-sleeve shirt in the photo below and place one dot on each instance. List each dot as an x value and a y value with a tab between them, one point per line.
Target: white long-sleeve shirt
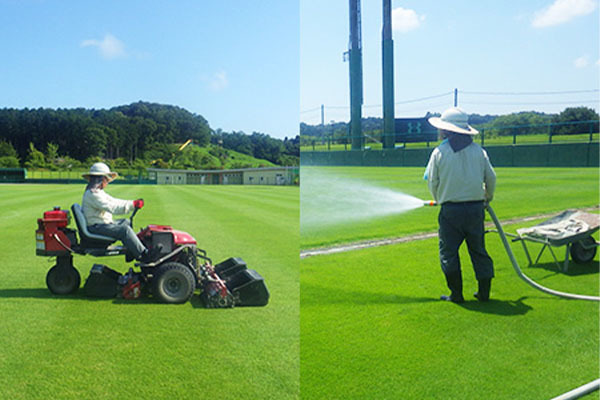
466	175
98	207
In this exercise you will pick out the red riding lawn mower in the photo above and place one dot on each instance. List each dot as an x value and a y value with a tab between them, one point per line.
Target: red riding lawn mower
173	277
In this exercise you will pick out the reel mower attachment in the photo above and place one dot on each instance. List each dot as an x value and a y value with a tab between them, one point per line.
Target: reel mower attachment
230	283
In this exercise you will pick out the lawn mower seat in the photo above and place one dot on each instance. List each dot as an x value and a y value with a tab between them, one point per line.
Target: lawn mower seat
86	238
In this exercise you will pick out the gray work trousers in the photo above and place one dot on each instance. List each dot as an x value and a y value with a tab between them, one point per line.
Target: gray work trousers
121	230
464	222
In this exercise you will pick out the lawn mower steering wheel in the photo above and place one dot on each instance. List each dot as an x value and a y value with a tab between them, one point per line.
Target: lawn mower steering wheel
135	210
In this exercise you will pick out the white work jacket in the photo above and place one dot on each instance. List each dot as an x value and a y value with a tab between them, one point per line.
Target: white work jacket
465	175
99	207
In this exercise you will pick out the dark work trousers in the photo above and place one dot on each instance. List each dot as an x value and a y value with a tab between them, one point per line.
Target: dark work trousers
121	229
464	222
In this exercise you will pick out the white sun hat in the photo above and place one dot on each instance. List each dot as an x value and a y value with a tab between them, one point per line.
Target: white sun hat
100	169
454	120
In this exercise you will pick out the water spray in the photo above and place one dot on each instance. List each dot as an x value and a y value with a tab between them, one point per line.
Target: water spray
329	199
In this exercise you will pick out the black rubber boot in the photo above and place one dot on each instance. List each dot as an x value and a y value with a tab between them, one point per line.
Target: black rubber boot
483	294
149	256
454	282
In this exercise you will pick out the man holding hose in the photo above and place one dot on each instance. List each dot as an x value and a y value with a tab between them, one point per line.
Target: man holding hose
461	179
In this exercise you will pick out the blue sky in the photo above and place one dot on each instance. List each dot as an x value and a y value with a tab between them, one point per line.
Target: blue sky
491	46
234	62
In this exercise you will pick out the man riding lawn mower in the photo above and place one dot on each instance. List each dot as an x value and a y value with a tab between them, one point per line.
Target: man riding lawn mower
171	266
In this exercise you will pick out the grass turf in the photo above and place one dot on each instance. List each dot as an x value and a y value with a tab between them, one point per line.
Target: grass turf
73	347
372	325
519	192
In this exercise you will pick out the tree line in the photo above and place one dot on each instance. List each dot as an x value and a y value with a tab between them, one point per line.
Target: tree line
569	121
137	135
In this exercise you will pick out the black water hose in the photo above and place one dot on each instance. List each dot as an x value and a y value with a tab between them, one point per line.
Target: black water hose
513	260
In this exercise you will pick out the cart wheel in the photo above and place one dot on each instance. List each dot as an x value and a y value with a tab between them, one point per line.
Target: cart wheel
173	283
63	280
583	254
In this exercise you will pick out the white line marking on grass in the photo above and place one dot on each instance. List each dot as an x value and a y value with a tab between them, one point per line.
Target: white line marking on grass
342	248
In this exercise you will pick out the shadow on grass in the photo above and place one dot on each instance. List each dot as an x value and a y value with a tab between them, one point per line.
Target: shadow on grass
498	307
312	295
43	293
589	268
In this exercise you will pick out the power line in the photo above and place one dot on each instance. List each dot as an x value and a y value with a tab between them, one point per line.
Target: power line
530	93
380	105
310	110
482	93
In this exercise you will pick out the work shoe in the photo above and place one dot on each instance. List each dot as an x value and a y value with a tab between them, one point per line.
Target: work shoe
454	282
458	299
483	294
151	255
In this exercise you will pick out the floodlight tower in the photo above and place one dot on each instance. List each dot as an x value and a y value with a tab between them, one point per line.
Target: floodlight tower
356	86
387	47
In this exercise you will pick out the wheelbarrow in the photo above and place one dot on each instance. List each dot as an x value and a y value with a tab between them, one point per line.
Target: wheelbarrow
571	228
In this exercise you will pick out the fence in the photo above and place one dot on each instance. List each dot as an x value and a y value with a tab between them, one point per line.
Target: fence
45	176
533	155
563	132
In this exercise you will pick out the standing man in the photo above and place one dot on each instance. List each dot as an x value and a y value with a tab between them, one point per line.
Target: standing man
461	179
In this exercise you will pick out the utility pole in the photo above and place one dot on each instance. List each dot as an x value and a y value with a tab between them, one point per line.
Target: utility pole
455	97
387	44
356	87
322	115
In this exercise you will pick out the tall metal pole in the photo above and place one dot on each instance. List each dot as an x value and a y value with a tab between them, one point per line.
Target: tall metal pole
455	97
356	87
387	44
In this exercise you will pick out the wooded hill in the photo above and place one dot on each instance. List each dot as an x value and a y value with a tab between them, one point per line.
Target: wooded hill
138	135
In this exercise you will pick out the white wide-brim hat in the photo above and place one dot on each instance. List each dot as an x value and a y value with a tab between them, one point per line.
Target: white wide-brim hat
100	169
454	120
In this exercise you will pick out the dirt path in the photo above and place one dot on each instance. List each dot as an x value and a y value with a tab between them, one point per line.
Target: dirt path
342	248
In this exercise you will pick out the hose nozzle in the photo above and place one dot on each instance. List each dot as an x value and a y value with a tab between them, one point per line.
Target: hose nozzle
431	203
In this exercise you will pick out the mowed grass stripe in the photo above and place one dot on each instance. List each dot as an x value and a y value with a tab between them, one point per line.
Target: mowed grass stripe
75	347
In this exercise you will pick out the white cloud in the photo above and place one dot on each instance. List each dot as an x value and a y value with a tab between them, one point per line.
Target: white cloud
581	62
110	47
404	19
562	11
219	81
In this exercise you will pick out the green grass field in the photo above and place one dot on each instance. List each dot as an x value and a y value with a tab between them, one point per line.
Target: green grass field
74	347
372	326
488	141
